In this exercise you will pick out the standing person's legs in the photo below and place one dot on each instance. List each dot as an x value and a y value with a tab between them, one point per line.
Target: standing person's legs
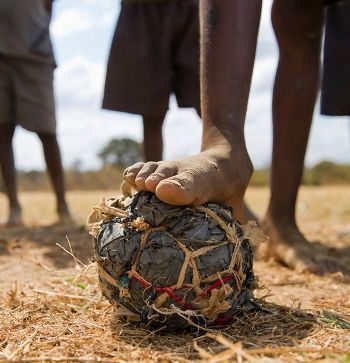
35	111
298	28
222	170
54	166
138	77
8	171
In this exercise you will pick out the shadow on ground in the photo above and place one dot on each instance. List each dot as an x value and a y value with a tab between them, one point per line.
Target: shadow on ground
43	241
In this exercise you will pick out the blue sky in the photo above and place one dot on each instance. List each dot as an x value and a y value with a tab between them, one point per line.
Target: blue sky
82	31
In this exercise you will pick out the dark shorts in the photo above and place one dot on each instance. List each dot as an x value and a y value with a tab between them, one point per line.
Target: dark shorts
335	90
26	94
154	52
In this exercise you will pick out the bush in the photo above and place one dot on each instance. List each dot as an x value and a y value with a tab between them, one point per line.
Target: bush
121	152
326	172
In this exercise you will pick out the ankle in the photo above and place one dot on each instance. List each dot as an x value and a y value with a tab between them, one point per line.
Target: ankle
62	208
15	206
231	141
281	219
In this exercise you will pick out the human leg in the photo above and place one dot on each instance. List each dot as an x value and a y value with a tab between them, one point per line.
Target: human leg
54	166
153	137
222	170
8	170
298	29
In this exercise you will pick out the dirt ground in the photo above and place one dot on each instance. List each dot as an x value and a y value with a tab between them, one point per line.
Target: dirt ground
47	314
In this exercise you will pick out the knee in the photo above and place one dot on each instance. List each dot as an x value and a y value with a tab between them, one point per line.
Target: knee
298	25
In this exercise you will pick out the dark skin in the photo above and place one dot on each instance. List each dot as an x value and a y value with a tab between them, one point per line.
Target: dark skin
153	135
222	170
54	166
48	5
53	161
298	27
7	164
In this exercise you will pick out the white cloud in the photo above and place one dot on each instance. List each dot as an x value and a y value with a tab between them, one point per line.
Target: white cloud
79	85
70	21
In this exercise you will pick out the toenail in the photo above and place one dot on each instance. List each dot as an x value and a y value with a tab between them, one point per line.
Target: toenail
173	182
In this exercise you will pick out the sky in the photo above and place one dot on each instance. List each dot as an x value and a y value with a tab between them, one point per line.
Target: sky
82	32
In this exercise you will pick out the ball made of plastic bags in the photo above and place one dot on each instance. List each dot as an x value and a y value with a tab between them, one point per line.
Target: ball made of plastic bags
173	266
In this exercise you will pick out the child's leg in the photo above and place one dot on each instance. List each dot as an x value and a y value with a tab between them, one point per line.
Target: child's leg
298	28
153	137
222	170
8	170
54	166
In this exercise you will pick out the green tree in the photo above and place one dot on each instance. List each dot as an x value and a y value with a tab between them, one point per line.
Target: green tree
327	172
121	152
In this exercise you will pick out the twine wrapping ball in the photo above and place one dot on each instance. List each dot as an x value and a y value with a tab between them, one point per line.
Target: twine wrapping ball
173	266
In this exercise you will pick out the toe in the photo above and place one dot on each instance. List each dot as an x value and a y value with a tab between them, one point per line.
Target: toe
177	190
146	170
308	266
329	264
131	172
161	173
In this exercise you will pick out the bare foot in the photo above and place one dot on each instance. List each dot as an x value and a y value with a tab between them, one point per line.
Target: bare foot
288	246
64	215
15	217
66	220
217	174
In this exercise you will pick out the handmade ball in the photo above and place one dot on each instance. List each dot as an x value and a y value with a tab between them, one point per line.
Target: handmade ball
173	266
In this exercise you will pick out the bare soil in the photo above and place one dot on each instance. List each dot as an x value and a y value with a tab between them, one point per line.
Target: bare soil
48	314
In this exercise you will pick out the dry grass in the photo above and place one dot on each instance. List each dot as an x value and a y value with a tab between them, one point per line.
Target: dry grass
48	314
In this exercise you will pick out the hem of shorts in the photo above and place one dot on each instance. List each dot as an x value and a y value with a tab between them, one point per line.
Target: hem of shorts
121	109
181	103
185	105
339	114
331	112
114	106
35	130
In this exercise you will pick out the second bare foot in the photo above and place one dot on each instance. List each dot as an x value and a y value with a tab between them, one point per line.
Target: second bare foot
15	217
64	215
289	246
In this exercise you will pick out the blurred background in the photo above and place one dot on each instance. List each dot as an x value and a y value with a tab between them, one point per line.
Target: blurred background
81	33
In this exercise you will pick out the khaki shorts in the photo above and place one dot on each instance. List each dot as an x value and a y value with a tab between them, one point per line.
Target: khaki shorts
26	94
154	52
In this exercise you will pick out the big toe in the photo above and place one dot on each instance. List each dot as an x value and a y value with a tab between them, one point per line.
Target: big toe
177	190
296	258
306	260
329	264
